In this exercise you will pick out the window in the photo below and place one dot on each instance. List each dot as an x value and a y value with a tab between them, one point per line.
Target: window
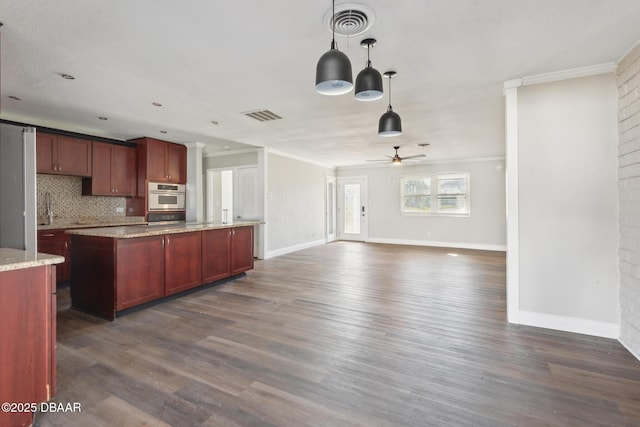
443	194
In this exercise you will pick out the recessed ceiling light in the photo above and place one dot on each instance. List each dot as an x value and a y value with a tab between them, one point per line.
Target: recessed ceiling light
226	147
103	118
17	98
67	76
163	131
157	104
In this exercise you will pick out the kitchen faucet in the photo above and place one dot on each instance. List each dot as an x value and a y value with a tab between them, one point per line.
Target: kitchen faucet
47	206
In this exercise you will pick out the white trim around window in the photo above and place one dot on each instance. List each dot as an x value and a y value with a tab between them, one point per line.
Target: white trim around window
436	194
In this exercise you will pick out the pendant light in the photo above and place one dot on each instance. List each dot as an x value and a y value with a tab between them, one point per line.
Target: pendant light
369	80
333	72
390	124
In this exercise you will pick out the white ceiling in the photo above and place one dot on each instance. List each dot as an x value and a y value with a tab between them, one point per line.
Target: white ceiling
210	61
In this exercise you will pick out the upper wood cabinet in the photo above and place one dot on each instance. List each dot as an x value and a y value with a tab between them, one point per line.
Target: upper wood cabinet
63	155
114	171
161	161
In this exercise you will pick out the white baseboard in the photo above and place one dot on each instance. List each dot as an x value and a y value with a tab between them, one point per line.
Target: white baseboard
570	324
294	248
458	245
635	354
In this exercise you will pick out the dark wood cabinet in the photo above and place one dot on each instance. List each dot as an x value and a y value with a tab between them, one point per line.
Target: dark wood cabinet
63	155
139	271
28	340
111	274
162	161
114	171
56	242
226	252
183	261
216	257
241	249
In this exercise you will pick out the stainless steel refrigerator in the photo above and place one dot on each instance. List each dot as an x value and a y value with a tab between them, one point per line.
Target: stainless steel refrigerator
18	210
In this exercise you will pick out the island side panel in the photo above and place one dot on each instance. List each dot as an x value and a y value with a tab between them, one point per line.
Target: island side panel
93	275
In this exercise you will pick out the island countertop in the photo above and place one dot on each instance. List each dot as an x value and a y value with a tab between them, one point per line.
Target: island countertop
134	231
15	259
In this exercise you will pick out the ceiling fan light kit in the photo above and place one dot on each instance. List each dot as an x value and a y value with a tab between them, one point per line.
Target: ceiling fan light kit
333	72
390	123
369	80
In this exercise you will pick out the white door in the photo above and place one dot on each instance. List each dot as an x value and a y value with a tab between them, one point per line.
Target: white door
245	194
330	208
352	209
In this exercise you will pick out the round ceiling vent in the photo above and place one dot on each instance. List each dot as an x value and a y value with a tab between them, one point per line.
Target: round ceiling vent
350	19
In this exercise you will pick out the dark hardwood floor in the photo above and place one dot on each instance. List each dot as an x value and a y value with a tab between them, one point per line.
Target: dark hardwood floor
346	334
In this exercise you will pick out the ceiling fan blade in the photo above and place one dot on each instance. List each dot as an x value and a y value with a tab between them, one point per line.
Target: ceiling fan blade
414	157
378	160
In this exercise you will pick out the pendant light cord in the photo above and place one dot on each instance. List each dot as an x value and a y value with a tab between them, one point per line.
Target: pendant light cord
333	25
389	109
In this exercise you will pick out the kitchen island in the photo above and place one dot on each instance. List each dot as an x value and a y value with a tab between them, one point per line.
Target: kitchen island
116	268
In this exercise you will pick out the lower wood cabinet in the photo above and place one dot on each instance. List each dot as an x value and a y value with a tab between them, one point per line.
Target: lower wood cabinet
27	341
56	242
113	274
139	271
216	256
182	262
241	249
226	252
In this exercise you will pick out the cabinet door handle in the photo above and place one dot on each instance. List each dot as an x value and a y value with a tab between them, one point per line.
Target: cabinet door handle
47	235
168	240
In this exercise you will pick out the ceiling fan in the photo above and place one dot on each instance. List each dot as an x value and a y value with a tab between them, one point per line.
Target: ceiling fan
396	160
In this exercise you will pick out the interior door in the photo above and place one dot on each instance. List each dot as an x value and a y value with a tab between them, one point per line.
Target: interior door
245	194
353	210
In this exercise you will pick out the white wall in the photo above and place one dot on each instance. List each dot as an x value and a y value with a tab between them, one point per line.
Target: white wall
484	229
628	80
295	204
568	235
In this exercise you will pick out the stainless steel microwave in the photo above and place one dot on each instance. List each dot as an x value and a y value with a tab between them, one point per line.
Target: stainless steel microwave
166	197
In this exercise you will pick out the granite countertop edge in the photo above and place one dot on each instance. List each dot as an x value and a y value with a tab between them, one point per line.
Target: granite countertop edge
135	231
16	259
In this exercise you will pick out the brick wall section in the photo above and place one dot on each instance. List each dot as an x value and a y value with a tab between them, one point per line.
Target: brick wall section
628	81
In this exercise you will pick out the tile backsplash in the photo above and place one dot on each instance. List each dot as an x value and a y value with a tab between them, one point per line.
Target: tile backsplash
68	202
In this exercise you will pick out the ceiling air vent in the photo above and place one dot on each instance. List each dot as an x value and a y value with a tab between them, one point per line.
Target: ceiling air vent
263	115
351	19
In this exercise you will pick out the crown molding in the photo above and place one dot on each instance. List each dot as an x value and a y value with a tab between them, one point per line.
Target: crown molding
591	70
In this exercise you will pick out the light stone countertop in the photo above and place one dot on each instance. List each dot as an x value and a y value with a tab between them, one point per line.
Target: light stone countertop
84	222
133	231
15	259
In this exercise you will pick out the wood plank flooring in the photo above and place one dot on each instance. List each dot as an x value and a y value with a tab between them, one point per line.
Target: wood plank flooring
345	334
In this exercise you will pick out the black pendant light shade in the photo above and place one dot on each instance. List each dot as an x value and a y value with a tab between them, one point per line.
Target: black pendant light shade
390	123
369	80
333	72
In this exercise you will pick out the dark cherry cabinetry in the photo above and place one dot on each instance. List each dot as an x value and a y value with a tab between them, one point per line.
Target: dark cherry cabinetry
63	155
56	242
28	340
111	274
226	252
182	261
241	249
140	272
216	256
161	161
114	171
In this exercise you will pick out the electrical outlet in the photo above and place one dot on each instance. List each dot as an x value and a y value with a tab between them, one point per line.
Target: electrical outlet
119	210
